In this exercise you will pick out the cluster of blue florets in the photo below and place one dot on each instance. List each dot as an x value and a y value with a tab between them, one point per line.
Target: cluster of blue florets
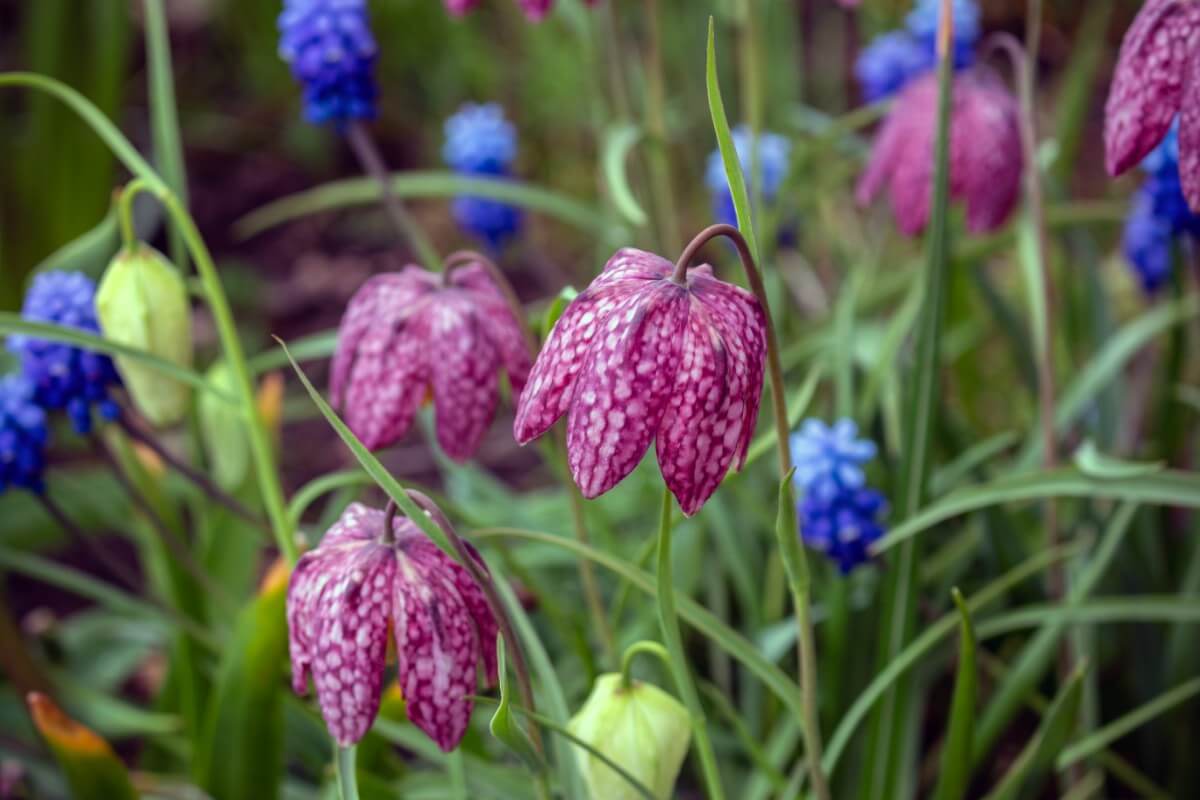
896	57
330	48
774	160
22	435
481	142
838	512
1159	215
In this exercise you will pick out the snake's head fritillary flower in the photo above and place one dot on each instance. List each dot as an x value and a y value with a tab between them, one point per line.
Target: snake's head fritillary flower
638	726
774	161
330	48
1157	76
460	7
638	357
986	159
411	334
363	581
66	377
22	435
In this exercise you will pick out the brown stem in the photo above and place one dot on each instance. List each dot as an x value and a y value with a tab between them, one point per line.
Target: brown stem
188	471
479	572
106	559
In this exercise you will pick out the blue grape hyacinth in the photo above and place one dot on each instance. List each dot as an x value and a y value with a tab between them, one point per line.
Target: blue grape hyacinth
481	141
894	58
838	513
331	51
774	160
66	377
22	435
1159	215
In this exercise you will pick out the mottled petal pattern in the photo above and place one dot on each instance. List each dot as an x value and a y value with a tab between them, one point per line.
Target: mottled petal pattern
1148	83
1189	134
622	392
463	366
389	380
503	328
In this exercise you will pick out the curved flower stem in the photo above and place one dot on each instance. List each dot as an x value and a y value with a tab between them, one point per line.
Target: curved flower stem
124	201
347	775
105	558
673	640
368	156
479	573
797	577
633	650
187	470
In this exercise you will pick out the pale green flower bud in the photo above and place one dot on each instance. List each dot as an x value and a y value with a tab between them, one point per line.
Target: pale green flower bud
223	430
640	727
142	302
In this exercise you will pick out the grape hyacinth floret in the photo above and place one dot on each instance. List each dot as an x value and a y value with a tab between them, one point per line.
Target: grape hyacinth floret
774	160
922	22
411	334
66	377
638	357
363	582
895	58
480	141
1157	77
330	48
838	513
23	435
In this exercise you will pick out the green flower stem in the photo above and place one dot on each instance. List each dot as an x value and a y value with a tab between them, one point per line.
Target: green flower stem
363	145
125	210
347	776
656	126
678	657
631	652
797	567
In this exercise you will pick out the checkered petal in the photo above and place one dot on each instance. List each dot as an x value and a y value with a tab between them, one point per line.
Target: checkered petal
502	327
987	157
1189	134
462	361
389	380
1148	83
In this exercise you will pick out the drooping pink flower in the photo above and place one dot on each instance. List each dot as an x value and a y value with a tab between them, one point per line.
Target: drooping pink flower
408	334
342	598
639	357
1157	77
460	7
986	159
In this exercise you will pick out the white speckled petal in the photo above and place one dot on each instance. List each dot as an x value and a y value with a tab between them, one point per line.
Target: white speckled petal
390	378
547	394
438	650
1147	85
1189	134
502	327
622	392
338	607
462	362
986	157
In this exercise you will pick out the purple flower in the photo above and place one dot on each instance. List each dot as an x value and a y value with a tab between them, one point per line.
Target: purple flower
342	598
535	10
638	357
66	377
22	435
408	334
1157	77
985	153
331	51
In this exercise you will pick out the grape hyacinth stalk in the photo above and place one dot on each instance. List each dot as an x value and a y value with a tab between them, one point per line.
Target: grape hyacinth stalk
1157	77
481	142
66	377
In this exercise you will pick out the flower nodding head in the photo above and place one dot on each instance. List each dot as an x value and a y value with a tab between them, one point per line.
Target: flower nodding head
986	160
363	580
408	334
22	435
640	357
66	377
330	48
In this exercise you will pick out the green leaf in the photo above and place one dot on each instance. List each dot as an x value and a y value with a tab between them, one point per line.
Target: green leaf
729	154
503	726
406	185
92	769
1126	723
956	757
1052	735
1093	463
619	141
787	536
556	308
90	253
164	119
240	751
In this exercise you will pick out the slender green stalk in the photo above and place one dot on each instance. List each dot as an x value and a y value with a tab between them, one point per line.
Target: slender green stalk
164	115
631	652
346	774
678	657
587	574
656	126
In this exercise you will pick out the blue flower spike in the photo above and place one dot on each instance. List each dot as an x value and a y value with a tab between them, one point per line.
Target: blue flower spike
330	48
63	376
22	435
894	58
481	141
838	513
774	160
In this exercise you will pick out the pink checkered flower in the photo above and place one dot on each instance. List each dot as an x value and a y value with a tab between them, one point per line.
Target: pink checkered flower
639	356
1157	77
413	334
361	582
986	159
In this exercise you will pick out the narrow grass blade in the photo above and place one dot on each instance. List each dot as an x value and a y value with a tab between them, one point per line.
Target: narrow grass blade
956	756
619	141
